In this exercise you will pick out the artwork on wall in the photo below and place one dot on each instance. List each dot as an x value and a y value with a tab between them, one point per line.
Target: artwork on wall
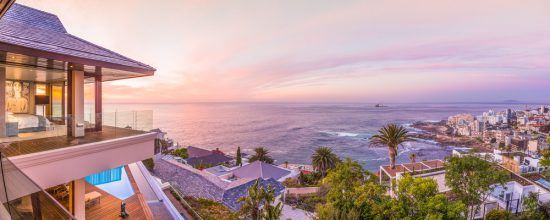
17	96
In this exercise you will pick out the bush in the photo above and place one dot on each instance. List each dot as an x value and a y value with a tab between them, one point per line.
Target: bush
496	214
310	179
291	183
210	210
149	164
307	203
181	152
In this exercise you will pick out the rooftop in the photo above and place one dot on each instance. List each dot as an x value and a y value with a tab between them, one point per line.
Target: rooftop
262	170
26	31
410	167
212	159
197	152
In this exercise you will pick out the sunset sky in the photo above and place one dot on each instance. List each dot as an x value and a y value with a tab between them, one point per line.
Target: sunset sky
321	51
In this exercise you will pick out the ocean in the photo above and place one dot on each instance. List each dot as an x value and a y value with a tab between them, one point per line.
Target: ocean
291	132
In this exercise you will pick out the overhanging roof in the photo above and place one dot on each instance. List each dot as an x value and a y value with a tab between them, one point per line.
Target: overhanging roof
41	35
4	5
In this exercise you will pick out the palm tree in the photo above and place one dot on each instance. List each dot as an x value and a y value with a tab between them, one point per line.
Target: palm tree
412	157
391	135
261	154
273	212
269	211
323	159
251	203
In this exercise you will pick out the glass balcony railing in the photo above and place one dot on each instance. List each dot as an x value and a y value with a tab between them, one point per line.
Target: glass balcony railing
27	134
23	199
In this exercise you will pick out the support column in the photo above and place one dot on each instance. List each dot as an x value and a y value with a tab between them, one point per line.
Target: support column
76	100
2	101
98	100
79	200
36	207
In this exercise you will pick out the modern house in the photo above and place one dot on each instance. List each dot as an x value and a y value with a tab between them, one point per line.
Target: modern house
201	157
509	196
219	183
59	148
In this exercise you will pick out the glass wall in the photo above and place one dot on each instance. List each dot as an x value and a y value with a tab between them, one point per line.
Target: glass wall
21	198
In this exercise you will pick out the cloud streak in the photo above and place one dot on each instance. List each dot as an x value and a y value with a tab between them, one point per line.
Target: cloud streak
360	51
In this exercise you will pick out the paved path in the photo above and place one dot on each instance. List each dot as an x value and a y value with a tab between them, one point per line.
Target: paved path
295	214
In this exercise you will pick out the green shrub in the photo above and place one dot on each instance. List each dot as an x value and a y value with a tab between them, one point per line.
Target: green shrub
496	214
211	210
181	152
291	183
149	164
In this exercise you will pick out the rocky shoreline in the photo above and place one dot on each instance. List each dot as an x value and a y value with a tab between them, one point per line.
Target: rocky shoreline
442	134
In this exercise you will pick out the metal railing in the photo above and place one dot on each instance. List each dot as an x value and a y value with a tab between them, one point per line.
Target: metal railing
22	198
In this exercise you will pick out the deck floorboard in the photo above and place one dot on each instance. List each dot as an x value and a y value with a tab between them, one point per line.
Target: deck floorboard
109	206
23	147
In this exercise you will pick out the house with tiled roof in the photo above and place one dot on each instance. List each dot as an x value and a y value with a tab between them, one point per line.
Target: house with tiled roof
220	183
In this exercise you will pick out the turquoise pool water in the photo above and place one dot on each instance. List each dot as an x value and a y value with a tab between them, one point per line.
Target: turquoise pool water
106	176
543	182
114	181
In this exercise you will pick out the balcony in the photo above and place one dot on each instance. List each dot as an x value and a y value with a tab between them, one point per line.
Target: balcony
52	133
110	140
22	198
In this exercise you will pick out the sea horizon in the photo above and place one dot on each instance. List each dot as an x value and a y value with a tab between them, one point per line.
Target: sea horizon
292	131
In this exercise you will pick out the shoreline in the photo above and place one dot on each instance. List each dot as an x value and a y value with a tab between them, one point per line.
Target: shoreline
441	133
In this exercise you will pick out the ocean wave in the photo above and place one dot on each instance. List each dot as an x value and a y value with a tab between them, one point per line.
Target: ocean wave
426	141
432	121
341	134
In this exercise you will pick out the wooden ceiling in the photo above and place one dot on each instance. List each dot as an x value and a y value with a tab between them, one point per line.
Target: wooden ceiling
4	5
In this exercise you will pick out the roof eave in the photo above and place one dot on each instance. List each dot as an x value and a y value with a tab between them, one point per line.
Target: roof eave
73	59
4	6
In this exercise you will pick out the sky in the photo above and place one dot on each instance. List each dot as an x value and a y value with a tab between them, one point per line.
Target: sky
321	51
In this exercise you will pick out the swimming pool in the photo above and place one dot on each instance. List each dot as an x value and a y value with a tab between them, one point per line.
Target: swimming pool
114	181
543	182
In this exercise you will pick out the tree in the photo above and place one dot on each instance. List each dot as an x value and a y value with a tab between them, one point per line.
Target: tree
270	212
239	160
391	135
531	207
545	160
261	154
501	146
496	214
181	152
412	157
418	198
258	203
323	159
252	202
352	193
472	179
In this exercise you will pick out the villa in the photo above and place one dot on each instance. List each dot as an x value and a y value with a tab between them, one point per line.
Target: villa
508	197
62	157
199	156
220	183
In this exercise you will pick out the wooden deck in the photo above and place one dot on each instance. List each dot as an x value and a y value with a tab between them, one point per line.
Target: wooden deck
50	143
109	207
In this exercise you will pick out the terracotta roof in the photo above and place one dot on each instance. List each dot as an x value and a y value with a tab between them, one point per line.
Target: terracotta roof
38	30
